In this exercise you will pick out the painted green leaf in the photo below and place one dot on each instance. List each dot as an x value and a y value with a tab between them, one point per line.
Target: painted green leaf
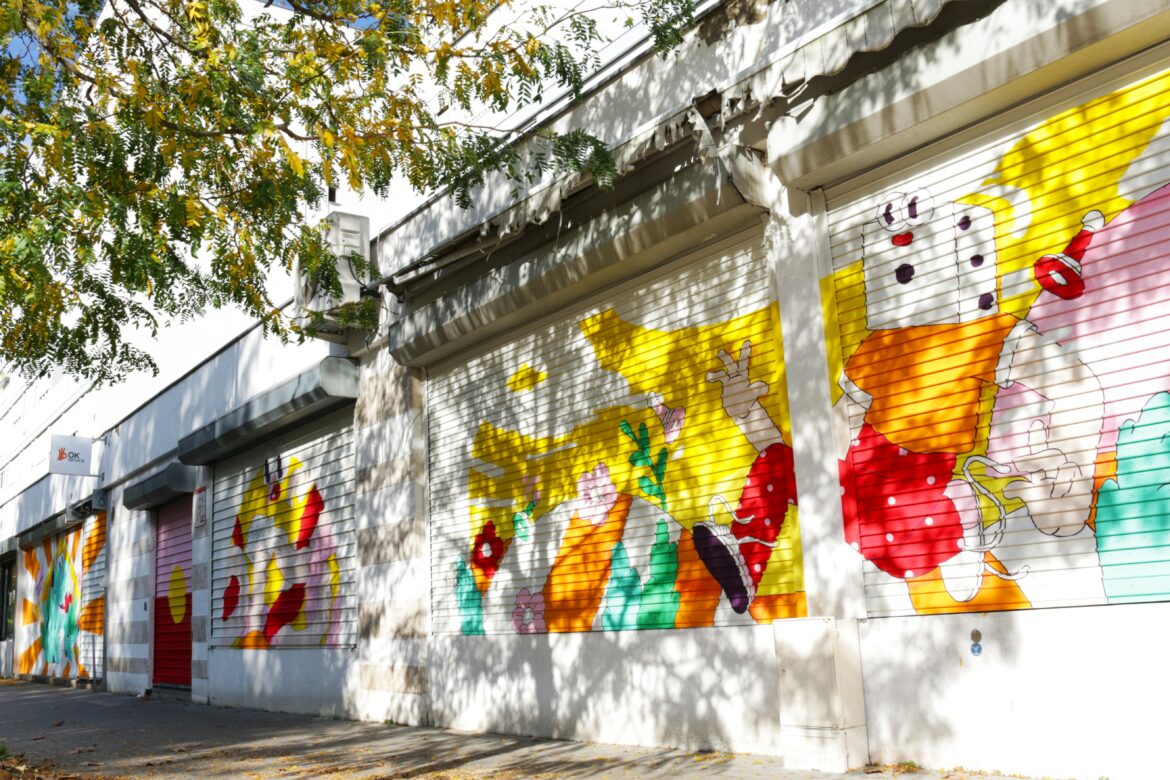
660	599
469	599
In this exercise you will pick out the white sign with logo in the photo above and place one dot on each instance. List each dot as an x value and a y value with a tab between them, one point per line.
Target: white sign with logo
71	455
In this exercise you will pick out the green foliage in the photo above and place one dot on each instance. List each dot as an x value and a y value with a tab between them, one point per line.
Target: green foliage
159	156
641	457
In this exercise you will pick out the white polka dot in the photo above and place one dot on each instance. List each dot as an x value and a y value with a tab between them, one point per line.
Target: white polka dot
909	574
769	487
930	480
902	451
749	482
855	546
757	567
891	500
930	521
842	490
767	521
889	537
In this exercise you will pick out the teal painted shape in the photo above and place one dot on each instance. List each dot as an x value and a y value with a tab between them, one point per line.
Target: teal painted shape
469	599
623	595
1133	510
660	600
59	615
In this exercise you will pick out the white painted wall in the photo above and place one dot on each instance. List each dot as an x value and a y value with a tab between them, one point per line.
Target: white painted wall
695	688
302	680
1075	692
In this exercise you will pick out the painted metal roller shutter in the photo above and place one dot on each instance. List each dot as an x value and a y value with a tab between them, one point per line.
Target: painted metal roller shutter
62	614
1002	350
609	469
91	643
172	594
283	547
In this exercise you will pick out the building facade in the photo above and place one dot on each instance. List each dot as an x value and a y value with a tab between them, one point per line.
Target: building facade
834	430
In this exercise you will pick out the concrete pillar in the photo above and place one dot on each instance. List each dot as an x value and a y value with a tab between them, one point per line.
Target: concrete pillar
392	681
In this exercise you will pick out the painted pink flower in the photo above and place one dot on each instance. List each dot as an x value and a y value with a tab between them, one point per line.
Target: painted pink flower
672	421
532	484
596	494
528	616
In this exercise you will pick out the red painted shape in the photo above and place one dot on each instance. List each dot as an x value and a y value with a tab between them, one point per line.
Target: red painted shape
902	239
238	534
897	514
231	597
1059	278
487	550
314	505
284	610
770	488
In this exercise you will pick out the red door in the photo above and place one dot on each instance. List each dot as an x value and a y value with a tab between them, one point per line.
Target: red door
172	594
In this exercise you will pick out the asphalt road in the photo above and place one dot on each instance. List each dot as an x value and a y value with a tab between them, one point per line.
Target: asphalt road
73	733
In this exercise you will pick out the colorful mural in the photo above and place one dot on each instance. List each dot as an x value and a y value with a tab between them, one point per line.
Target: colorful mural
660	493
1003	362
61	622
283	583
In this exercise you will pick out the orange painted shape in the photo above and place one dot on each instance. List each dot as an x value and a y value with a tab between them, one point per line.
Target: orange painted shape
576	584
81	670
926	381
93	616
1105	469
253	640
929	595
778	606
28	612
32	564
25	663
698	591
94	541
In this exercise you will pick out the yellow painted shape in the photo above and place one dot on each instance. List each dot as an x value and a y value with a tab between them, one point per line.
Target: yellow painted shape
177	594
715	455
74	539
95	540
256	503
785	572
93	616
843	306
1067	166
526	378
576	584
929	595
28	658
273	581
334	576
28	613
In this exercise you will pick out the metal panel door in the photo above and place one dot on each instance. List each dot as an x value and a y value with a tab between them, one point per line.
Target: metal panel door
283	547
625	464
172	594
1002	355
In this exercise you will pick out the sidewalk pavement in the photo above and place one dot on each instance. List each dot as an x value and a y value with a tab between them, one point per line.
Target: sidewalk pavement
73	733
